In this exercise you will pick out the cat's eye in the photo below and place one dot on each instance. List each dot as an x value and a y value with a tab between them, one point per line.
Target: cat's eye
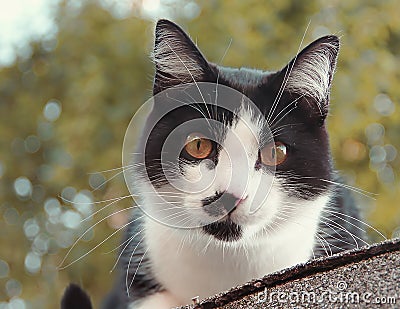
198	146
273	154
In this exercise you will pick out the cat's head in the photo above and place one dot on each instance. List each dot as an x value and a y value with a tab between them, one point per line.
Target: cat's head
236	153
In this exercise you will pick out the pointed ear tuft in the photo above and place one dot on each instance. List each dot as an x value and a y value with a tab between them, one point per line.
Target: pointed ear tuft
177	59
313	69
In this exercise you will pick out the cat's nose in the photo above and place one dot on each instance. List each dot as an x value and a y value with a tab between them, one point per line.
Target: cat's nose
230	201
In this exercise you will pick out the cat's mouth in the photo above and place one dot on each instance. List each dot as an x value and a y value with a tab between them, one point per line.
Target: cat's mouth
222	205
225	230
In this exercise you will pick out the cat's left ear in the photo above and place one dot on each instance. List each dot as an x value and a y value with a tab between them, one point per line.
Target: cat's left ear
177	59
310	73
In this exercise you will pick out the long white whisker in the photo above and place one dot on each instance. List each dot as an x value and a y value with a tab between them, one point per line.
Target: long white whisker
109	170
103	208
286	107
137	268
114	176
355	219
129	265
191	75
126	243
98	245
286	77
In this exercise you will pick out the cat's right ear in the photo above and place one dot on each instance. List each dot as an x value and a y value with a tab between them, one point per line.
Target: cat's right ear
176	57
310	74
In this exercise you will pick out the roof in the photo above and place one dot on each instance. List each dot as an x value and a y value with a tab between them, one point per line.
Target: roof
361	278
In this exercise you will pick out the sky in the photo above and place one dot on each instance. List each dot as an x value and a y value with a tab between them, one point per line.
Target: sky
22	21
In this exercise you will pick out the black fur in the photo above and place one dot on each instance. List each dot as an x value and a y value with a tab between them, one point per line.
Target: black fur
226	230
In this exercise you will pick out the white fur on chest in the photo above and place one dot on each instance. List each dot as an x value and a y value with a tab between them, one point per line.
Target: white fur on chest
192	266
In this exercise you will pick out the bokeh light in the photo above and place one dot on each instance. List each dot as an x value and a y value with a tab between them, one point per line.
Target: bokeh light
33	262
23	186
4	269
52	110
384	105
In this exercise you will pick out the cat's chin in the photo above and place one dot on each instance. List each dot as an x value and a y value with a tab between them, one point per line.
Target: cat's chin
225	230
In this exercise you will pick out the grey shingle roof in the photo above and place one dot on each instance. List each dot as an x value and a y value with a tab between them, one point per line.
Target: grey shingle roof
365	278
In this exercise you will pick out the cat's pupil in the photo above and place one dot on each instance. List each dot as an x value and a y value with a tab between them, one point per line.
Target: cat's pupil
273	152
198	144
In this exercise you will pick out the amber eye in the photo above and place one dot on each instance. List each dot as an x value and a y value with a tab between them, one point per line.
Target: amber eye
198	146
273	154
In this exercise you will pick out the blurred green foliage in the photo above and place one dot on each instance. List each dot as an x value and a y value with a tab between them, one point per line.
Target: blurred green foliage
64	111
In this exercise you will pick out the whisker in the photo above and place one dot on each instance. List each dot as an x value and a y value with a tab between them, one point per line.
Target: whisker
280	128
129	265
322	242
274	122
105	207
190	73
137	268
346	231
127	243
216	85
189	104
89	203
334	237
355	219
110	170
98	245
119	246
114	176
286	78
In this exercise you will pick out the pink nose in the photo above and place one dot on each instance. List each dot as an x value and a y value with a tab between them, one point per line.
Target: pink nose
240	200
230	201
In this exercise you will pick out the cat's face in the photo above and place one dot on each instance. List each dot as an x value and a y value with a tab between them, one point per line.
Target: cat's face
236	153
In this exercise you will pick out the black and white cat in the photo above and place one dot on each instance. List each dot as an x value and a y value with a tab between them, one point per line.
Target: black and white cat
305	213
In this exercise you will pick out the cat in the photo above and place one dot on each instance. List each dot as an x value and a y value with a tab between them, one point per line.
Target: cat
284	153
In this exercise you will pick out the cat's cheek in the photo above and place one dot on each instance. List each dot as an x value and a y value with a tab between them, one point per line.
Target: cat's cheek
196	211
267	208
193	174
243	219
259	216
